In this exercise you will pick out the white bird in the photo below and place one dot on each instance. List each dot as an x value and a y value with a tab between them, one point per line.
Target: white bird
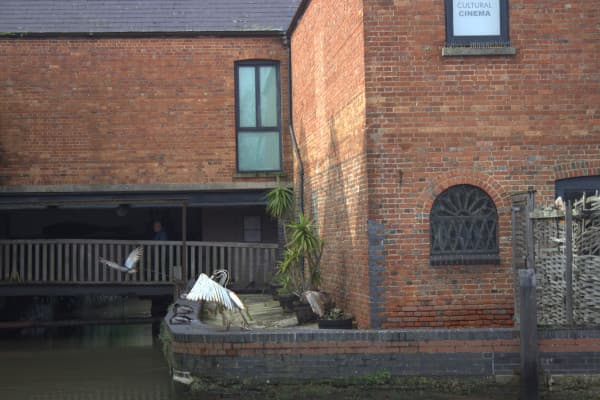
559	204
130	262
320	302
221	276
206	289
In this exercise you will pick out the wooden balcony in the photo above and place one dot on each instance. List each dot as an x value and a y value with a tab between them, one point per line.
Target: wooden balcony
74	263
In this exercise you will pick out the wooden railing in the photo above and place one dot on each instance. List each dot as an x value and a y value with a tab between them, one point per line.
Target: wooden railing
76	261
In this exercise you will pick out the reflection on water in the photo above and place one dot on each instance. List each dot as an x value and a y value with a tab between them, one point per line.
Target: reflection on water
124	362
87	362
92	362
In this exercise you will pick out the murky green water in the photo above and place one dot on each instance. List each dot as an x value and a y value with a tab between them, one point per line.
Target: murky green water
95	362
125	362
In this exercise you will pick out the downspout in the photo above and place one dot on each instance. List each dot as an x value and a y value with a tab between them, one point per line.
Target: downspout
287	40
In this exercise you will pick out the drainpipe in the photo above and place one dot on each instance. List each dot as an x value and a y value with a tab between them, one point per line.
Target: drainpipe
287	41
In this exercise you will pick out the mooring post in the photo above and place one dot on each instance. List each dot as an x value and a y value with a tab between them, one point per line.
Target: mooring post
529	338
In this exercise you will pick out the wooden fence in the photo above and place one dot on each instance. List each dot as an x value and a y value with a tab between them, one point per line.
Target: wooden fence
566	255
76	261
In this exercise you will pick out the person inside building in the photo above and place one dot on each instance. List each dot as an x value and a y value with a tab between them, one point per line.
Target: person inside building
159	232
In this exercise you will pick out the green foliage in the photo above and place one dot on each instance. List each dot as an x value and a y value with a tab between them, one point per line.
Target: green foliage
305	242
289	271
302	243
280	202
335	313
379	377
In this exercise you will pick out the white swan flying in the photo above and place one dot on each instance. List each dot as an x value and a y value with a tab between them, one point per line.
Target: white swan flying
130	263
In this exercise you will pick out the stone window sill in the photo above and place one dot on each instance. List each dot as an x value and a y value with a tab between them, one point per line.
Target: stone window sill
482	51
259	174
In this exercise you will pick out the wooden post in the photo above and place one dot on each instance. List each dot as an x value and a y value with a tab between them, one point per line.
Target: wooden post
529	339
184	252
569	260
530	237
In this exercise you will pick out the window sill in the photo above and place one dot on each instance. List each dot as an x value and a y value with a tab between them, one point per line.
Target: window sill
478	51
464	259
258	174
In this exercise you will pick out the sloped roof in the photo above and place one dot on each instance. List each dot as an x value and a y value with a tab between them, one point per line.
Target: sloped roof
145	16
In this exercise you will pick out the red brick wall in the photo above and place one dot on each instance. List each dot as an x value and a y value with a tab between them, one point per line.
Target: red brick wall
503	123
124	110
329	106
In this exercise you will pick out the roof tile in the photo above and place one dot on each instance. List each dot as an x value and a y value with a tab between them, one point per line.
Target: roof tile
145	16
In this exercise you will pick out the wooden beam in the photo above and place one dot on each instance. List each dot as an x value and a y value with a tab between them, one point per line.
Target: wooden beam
78	322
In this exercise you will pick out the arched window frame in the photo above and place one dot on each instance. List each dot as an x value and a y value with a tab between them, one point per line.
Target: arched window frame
464	227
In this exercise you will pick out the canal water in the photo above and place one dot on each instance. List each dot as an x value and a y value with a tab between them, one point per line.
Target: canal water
125	362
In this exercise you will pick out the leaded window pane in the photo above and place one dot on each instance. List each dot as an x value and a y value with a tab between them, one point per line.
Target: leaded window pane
464	227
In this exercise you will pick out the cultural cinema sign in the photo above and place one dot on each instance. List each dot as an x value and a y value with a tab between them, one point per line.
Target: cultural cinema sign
477	21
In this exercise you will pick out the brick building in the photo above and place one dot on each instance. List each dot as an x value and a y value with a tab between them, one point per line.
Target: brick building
416	123
132	107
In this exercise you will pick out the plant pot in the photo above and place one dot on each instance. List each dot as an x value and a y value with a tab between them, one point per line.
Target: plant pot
304	313
273	290
343	323
286	300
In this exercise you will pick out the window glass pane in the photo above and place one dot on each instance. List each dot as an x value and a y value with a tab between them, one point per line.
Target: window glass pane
258	151
247	97
268	96
252	229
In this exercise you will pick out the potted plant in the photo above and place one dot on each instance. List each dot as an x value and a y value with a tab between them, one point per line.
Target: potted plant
285	295
335	319
302	248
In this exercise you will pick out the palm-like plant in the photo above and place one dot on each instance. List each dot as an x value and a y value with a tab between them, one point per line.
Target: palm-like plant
302	243
305	241
280	201
280	205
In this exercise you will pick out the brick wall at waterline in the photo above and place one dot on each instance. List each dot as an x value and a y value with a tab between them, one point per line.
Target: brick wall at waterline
313	354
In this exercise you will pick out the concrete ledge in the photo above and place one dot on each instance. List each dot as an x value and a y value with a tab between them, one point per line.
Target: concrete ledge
474	51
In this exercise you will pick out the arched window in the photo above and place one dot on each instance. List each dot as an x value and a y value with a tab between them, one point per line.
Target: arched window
464	227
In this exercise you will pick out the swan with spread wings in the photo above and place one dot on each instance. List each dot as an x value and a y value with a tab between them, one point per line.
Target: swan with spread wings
207	289
130	263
